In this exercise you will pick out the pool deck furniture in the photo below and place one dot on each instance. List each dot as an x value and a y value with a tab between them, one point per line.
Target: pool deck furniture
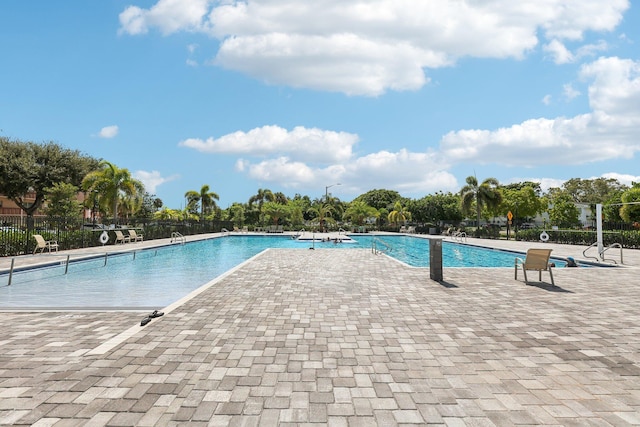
134	236
121	238
42	244
537	259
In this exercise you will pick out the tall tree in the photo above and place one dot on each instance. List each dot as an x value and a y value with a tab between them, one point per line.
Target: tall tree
358	211
399	214
263	195
62	201
297	208
111	182
150	205
523	201
275	211
435	208
592	191
630	211
27	167
236	214
322	211
483	194
380	198
563	211
204	197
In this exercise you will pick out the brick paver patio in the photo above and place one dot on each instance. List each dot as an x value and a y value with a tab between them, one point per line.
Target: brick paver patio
339	338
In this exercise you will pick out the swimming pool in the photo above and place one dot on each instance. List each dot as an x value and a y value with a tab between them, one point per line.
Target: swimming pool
159	277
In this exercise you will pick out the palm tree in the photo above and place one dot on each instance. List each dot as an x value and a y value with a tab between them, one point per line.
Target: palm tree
167	214
111	182
275	211
261	197
399	213
358	211
206	198
322	212
484	194
129	205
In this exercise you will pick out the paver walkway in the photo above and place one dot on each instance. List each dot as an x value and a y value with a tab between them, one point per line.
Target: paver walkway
339	338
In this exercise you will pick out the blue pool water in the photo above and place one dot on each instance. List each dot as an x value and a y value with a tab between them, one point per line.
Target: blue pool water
159	277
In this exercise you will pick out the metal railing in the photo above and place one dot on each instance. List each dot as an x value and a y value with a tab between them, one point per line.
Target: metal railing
16	232
601	256
377	243
177	237
459	236
298	234
66	260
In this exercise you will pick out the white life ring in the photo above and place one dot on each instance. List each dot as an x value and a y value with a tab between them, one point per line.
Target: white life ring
544	236
104	237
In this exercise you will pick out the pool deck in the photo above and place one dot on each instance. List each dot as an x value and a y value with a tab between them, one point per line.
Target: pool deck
339	338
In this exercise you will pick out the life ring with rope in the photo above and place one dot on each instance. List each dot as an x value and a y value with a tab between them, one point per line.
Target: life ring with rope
544	236
104	238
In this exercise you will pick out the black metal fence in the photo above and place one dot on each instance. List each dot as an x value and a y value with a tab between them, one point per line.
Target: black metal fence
16	232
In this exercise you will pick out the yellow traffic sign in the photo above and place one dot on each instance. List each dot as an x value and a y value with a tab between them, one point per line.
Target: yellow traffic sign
510	216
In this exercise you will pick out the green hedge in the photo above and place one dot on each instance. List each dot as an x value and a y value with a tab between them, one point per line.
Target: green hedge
628	239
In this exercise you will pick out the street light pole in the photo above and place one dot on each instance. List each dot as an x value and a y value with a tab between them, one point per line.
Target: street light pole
326	191
326	197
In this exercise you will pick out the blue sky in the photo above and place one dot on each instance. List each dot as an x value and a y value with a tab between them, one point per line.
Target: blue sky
407	95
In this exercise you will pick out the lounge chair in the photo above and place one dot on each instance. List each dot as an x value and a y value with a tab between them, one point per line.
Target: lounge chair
121	238
135	237
44	244
536	260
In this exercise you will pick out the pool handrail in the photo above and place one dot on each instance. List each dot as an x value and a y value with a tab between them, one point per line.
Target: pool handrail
66	259
602	257
374	246
177	237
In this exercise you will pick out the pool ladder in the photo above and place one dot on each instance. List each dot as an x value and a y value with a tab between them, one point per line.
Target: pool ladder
177	237
298	234
384	245
459	236
602	258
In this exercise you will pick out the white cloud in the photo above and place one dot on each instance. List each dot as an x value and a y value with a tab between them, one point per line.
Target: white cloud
408	172
169	16
306	158
546	100
558	51
561	55
625	179
569	92
608	132
616	88
152	180
303	144
366	47
108	132
591	49
545	183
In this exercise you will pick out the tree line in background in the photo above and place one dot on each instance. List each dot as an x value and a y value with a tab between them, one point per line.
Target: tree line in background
56	175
